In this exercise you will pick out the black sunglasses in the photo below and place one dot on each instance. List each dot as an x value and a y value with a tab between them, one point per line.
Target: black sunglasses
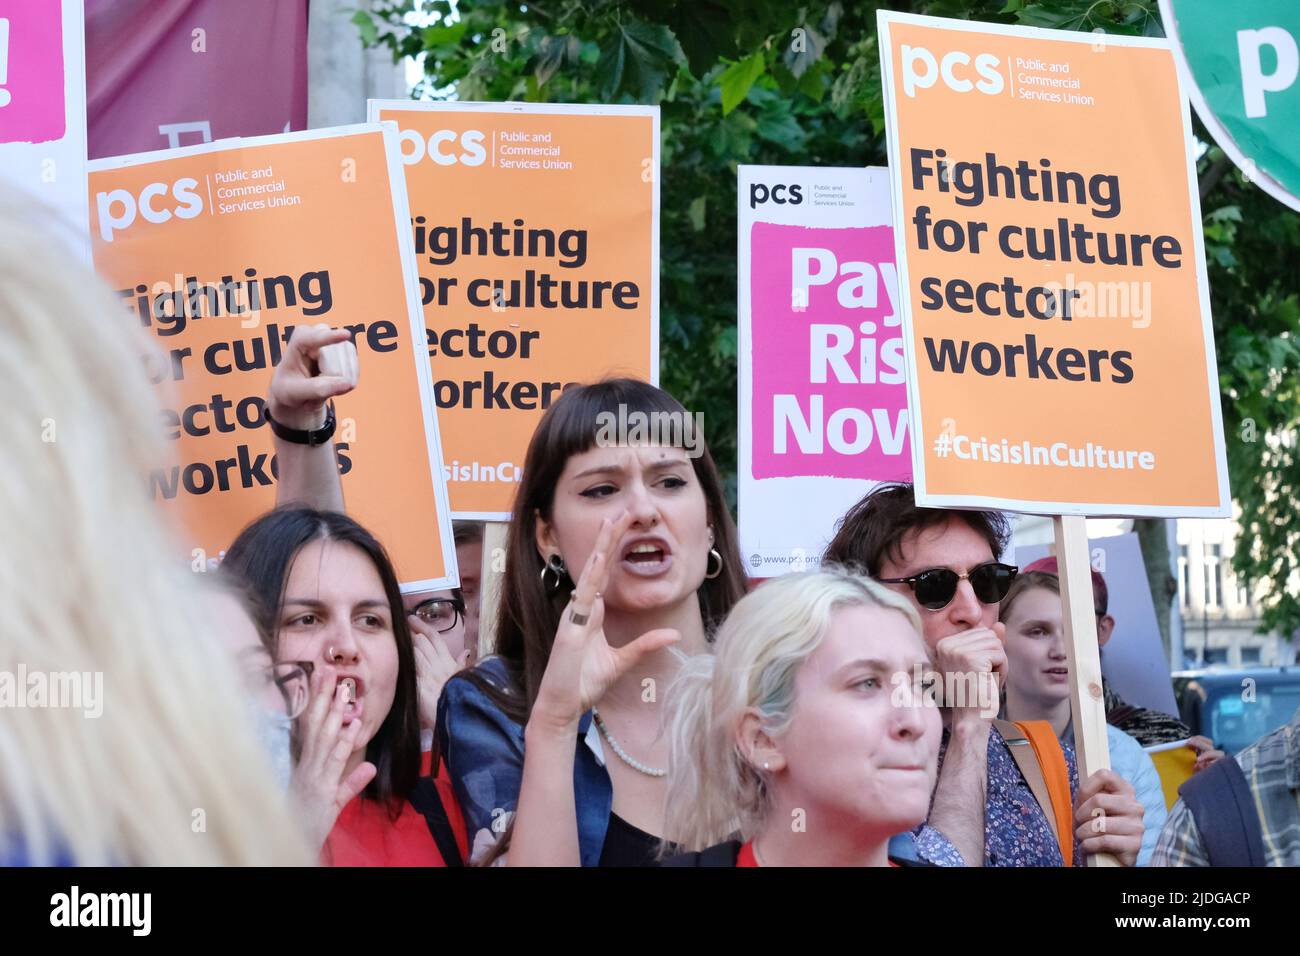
935	588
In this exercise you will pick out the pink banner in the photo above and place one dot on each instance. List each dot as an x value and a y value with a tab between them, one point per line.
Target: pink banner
166	73
31	72
828	393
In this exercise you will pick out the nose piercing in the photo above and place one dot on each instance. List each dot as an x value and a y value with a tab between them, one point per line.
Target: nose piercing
330	655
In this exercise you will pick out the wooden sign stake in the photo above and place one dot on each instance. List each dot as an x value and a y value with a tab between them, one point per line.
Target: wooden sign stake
1087	701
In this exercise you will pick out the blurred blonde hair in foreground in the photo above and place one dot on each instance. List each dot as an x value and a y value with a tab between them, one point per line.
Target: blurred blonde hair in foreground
170	773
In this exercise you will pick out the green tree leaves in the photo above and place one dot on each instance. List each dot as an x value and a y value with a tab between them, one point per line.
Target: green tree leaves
738	78
639	59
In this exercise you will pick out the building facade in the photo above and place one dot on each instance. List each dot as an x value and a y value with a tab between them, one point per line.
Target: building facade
1220	617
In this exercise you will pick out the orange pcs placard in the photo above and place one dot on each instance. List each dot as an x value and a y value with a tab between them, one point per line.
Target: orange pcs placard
221	251
1056	311
536	236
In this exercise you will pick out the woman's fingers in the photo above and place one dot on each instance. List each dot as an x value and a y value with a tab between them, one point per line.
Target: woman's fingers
581	661
609	551
333	723
339	369
595	576
308	340
344	744
355	782
318	390
579	622
419	625
434	661
422	639
441	654
1206	759
338	360
585	591
420	644
431	643
319	363
626	657
323	680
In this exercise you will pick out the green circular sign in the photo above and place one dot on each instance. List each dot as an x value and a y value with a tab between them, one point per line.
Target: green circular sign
1241	61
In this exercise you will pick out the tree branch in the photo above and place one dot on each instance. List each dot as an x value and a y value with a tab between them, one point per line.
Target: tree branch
1213	174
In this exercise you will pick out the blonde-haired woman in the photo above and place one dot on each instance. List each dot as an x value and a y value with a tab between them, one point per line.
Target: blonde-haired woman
138	751
809	732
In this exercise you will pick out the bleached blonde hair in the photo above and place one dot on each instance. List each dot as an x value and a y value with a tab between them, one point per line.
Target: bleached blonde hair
713	789
91	582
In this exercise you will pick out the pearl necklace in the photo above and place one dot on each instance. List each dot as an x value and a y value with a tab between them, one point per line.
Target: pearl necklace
626	757
623	754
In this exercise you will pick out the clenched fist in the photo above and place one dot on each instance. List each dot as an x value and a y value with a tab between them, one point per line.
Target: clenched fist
973	665
319	363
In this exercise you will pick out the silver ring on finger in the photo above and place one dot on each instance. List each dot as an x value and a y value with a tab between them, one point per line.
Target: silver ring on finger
578	618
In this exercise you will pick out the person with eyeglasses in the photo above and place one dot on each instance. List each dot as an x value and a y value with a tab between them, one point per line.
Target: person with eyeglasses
441	644
468	536
984	810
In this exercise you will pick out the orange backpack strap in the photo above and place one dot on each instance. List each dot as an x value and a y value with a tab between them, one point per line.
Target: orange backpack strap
1051	758
1022	751
1043	780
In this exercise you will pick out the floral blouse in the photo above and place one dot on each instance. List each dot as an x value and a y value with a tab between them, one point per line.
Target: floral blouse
1016	831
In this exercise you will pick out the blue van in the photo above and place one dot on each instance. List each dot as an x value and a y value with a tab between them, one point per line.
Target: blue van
1234	708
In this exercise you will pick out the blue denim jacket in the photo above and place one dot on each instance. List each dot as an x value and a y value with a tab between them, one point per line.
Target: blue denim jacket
484	753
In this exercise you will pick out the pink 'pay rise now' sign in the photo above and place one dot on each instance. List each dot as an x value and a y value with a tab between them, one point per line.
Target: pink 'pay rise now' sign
31	72
828	392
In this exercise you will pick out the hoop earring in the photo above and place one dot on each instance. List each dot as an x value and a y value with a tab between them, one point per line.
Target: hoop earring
554	564
713	553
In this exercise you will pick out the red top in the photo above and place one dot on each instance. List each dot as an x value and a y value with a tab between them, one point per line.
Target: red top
365	834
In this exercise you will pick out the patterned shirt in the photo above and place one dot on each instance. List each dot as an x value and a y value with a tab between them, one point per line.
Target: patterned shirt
1272	769
1016	830
1148	727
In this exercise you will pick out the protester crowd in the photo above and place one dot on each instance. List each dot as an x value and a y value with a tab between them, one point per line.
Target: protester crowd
643	703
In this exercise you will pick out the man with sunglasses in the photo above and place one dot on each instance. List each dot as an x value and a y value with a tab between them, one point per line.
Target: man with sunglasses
983	808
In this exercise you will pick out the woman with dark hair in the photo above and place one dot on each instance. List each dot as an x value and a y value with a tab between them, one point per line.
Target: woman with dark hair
675	565
335	606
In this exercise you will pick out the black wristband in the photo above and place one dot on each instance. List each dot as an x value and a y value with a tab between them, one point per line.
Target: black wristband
300	436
